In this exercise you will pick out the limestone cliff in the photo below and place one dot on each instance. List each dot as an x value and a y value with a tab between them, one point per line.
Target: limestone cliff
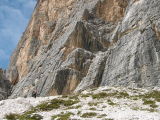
5	85
71	45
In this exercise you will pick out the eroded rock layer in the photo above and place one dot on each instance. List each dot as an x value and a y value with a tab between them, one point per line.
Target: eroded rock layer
76	44
5	86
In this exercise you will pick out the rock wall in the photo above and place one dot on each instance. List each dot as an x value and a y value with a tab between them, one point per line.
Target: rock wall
76	44
5	86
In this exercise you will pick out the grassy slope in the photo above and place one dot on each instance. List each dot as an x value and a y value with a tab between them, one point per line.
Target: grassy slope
107	103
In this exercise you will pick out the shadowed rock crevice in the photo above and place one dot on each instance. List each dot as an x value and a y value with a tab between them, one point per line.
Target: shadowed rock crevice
5	85
95	73
83	38
65	82
79	60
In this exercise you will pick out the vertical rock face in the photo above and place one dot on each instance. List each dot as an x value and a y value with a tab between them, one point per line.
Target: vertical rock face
111	10
5	86
76	44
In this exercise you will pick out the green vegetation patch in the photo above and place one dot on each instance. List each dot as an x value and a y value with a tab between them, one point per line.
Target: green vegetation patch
55	104
75	97
79	112
46	106
89	115
111	103
92	109
93	103
86	95
114	94
149	109
23	117
69	102
144	109
148	102
134	98
102	116
100	95
151	103
11	116
153	94
122	95
136	108
64	96
33	117
63	116
153	106
74	107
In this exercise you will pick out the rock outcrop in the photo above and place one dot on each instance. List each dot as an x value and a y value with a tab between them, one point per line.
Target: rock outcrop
76	44
5	86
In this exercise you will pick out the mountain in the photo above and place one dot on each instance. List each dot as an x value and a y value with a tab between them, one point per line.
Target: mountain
74	45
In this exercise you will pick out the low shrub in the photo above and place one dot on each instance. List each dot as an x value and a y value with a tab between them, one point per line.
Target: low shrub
89	114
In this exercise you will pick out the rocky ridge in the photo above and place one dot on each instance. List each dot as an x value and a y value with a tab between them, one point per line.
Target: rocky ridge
73	45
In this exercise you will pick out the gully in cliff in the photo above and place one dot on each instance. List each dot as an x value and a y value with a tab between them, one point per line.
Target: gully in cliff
34	93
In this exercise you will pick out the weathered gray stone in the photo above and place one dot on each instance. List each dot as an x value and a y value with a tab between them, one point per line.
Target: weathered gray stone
5	86
95	72
76	44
